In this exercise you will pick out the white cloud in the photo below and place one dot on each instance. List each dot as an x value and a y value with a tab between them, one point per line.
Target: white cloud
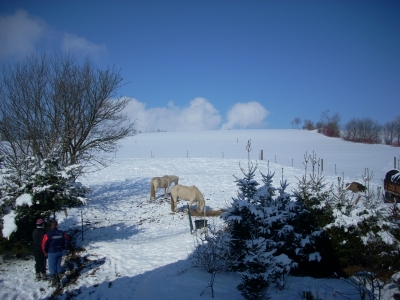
80	45
199	115
22	33
19	33
246	115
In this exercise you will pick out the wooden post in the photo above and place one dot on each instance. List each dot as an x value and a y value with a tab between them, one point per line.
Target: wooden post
322	165
190	220
395	162
262	155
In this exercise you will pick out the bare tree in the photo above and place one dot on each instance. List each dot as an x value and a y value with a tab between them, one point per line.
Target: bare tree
330	124
363	131
308	125
55	102
391	132
295	123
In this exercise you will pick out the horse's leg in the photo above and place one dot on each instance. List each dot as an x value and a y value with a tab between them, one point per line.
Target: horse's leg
165	193
190	203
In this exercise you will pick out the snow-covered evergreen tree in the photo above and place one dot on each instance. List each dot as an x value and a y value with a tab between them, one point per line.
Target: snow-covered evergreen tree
43	190
241	216
258	266
271	233
251	253
330	209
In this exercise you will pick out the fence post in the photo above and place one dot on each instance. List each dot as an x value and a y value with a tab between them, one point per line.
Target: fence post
190	220
262	155
395	162
322	165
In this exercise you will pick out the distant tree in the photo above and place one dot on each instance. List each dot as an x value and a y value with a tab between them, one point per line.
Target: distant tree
308	125
391	132
330	125
397	122
295	123
55	102
319	126
363	131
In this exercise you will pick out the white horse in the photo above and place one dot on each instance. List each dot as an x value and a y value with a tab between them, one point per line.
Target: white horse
188	193
162	182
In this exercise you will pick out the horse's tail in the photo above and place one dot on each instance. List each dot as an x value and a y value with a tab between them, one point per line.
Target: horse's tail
152	189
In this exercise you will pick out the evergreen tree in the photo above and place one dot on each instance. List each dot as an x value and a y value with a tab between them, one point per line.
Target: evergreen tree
258	265
41	191
248	248
241	216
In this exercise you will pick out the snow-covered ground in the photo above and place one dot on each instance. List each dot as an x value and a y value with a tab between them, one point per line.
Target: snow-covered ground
136	249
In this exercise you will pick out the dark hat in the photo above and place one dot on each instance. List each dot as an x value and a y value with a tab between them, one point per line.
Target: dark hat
39	222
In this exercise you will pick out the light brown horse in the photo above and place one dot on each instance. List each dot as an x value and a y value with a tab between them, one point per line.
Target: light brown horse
188	193
162	182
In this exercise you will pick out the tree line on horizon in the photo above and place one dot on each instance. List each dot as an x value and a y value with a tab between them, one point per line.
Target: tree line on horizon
358	130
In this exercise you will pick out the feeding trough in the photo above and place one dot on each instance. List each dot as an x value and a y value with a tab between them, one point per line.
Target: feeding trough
200	223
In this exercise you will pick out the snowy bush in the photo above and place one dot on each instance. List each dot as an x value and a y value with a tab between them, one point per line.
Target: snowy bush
211	251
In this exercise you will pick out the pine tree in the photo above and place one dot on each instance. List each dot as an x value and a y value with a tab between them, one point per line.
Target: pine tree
248	247
41	191
240	218
258	264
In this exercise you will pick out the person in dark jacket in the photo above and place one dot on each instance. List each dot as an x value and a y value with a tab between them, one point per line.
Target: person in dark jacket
40	258
53	244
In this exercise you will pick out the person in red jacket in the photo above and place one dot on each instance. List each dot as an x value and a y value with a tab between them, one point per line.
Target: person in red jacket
40	259
53	245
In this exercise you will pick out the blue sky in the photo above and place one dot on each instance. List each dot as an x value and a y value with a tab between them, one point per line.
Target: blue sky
199	65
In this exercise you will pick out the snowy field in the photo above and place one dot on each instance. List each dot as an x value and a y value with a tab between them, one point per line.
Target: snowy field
136	249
